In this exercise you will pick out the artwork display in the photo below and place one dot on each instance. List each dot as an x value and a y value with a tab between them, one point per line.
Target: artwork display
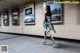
29	18
56	10
15	16
28	11
6	18
0	19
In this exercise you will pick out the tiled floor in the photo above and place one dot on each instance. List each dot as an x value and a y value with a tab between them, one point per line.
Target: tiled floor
24	44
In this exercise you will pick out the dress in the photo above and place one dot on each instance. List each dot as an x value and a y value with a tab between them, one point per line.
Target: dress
48	27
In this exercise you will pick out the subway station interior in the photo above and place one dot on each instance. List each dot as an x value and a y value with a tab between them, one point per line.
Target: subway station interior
22	30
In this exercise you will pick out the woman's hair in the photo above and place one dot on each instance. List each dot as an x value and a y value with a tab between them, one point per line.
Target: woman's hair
48	10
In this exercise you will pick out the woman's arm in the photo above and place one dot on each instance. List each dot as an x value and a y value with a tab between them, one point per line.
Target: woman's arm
50	17
44	17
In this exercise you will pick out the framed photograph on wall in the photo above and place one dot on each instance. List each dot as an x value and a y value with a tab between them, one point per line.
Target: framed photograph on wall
0	19
15	16
29	18
57	12
6	18
28	11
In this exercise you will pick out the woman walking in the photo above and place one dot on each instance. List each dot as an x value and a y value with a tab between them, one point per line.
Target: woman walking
49	29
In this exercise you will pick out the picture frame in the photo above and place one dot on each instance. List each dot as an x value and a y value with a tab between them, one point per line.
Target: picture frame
28	11
29	18
0	19
15	16
6	18
57	12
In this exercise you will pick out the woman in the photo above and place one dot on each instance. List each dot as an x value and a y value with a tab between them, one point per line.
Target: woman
49	29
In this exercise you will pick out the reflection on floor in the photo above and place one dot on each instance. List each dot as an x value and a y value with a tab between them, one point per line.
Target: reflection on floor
24	44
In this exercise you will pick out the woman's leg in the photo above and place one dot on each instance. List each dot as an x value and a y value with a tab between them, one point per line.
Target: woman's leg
55	44
52	39
45	35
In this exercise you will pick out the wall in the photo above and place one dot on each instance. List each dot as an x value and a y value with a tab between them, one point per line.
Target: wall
70	28
11	28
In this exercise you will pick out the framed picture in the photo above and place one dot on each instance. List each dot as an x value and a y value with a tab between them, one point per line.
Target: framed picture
29	18
15	16
6	18
57	14
28	11
0	19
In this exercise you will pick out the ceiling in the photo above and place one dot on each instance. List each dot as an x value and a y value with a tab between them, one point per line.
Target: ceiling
6	4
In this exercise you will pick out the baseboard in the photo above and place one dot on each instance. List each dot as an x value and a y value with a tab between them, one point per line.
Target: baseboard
39	36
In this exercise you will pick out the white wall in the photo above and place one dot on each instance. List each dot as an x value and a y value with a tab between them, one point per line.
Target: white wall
70	28
11	28
36	29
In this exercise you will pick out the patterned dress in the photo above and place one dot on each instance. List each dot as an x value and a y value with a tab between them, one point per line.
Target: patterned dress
48	27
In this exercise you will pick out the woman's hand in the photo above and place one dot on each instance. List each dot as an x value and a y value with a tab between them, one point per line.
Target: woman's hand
43	22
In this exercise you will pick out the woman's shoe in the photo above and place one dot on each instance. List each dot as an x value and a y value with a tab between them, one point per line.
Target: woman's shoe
55	45
44	42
